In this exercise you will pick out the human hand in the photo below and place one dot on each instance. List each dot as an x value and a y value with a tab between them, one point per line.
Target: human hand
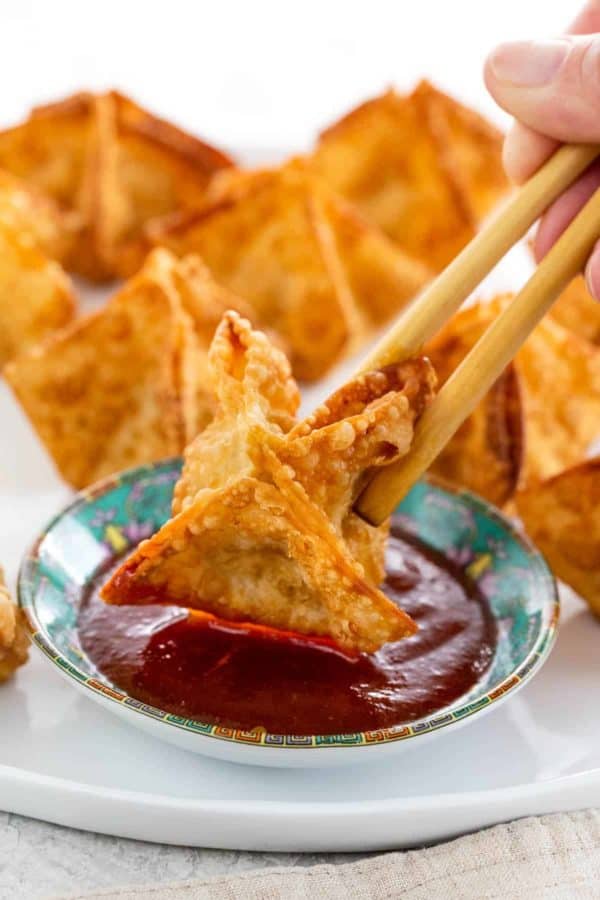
552	88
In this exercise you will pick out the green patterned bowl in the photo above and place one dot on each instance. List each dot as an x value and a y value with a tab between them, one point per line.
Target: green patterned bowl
114	515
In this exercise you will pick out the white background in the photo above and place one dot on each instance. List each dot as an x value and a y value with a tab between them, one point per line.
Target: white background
256	73
258	77
262	76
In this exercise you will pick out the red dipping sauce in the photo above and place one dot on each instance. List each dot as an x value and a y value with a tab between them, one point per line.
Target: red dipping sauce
244	678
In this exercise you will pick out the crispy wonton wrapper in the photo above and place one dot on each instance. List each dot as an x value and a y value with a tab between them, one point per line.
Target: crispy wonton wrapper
262	527
422	167
379	276
311	267
127	384
36	298
486	453
577	310
562	516
113	164
36	217
14	644
557	389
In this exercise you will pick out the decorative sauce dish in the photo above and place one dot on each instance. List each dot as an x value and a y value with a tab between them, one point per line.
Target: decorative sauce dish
102	524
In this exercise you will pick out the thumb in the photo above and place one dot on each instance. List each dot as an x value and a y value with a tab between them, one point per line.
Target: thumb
552	86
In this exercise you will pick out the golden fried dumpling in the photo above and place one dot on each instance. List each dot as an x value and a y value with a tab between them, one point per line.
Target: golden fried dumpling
486	453
312	268
14	644
114	165
127	384
422	167
36	218
578	311
539	418
562	516
262	527
560	378
36	297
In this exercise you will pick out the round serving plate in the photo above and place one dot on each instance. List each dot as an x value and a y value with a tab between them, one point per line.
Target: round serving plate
109	519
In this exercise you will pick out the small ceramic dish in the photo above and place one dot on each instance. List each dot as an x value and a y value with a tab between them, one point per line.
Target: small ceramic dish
107	520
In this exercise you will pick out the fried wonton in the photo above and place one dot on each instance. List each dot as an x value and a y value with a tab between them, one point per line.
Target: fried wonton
560	378
486	453
422	167
311	267
562	516
557	390
577	310
262	527
36	217
114	165
127	384
36	298
380	277
14	644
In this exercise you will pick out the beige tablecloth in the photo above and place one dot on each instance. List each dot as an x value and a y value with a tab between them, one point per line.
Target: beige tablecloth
554	857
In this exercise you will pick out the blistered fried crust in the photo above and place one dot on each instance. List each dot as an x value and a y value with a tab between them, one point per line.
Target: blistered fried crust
14	644
114	165
255	394
36	297
262	528
562	516
128	384
368	422
312	268
422	167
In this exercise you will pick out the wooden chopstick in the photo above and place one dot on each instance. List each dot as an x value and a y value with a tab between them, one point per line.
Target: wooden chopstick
442	298
484	364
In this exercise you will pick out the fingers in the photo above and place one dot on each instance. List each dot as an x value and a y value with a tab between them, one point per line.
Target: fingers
551	86
588	20
592	272
561	213
524	151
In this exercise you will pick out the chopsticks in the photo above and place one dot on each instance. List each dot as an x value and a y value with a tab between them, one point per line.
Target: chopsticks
484	364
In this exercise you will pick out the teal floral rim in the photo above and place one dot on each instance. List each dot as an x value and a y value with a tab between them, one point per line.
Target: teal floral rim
110	518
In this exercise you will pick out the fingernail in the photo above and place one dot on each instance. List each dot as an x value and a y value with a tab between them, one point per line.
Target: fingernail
513	156
528	63
592	273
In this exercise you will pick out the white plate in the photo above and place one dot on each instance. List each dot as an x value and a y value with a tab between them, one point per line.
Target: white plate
66	760
69	761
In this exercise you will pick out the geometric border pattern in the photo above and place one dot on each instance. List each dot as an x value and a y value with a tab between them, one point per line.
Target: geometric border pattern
28	589
260	737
